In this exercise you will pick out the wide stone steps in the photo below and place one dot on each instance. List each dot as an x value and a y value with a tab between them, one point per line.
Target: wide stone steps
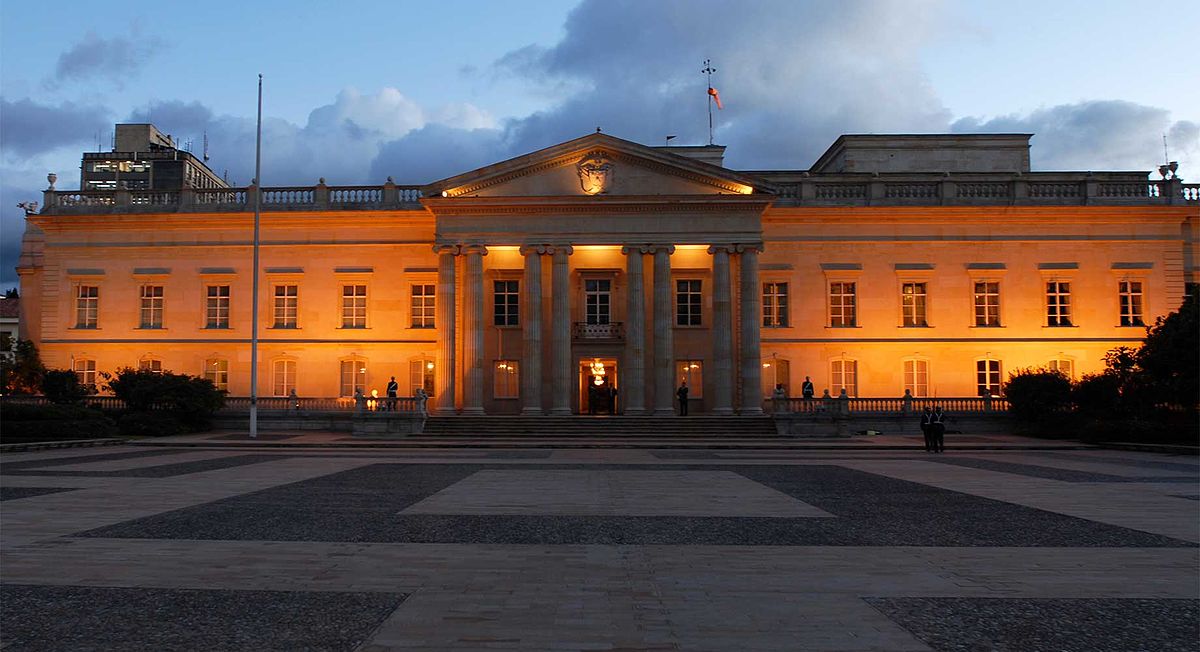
559	426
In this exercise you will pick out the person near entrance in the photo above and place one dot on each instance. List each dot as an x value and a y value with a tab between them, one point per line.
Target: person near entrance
927	428
393	390
612	399
806	388
938	428
682	393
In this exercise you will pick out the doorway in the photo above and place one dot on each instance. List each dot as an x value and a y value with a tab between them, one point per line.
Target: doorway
598	388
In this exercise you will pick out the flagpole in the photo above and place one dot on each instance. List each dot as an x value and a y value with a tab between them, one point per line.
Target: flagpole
709	70
254	271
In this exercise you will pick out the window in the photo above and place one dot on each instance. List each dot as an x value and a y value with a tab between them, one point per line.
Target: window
420	375
912	302
218	372
597	295
843	374
354	377
354	306
987	303
1063	365
85	372
507	303
152	306
688	301
506	380
776	371
841	305
283	377
216	308
775	305
691	372
916	377
987	377
287	303
1058	303
150	364
87	306
422	305
1130	293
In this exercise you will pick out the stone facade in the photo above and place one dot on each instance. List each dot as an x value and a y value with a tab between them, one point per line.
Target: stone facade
537	284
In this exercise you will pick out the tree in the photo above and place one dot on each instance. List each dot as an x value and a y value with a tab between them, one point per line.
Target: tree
22	374
1170	357
1036	396
63	386
189	399
11	293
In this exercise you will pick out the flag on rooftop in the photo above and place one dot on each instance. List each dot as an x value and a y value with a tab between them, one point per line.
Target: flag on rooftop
716	96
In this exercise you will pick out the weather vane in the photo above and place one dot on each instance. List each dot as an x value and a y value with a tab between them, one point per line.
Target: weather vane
713	96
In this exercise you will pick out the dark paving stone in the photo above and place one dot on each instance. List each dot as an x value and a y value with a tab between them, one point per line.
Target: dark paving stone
90	618
1049	473
1047	625
15	493
162	470
260	437
7	467
1182	467
1189	497
363	505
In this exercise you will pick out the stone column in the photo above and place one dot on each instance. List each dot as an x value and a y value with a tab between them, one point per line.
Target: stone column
473	365
444	321
560	332
722	332
531	331
664	324
751	323
633	372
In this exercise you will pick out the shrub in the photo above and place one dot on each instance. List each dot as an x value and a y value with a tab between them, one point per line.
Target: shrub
22	374
1037	395
191	401
1098	396
53	412
26	423
149	424
62	386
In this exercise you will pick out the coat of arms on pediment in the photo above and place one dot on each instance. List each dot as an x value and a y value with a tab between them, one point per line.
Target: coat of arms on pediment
595	173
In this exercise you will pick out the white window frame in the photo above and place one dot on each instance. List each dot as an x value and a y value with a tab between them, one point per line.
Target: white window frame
422	372
919	318
1058	302
506	302
1126	317
915	371
988	374
422	305
151	306
776	370
689	302
840	311
841	370
151	364
986	305
217	370
597	301
284	376
354	304
217	307
87	306
775	304
1061	362
356	373
285	308
85	372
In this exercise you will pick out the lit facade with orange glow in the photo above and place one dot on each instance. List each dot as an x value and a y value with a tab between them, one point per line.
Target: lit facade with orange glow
934	264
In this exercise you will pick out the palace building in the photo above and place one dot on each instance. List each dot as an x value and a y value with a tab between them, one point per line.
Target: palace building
936	264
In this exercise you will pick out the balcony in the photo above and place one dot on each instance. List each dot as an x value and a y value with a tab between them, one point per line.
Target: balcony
611	332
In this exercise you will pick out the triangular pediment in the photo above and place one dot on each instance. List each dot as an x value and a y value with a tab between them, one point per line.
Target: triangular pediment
598	165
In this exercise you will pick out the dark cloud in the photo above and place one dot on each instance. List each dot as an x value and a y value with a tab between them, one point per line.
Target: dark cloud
30	128
116	58
1096	135
12	225
436	152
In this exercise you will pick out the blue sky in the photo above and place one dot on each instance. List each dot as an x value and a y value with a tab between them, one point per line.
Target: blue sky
356	92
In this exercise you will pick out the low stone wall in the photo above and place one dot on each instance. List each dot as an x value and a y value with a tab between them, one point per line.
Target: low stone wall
285	420
387	424
808	425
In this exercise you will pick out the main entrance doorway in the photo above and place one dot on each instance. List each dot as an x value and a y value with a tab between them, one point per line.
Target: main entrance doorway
598	386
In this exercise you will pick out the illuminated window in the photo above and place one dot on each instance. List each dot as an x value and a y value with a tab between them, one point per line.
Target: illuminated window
152	306
1130	293
776	371
987	377
1063	365
842	305
912	301
150	364
354	306
597	300
423	308
506	379
87	306
283	377
987	303
1058	303
691	371
85	373
218	372
775	305
353	376
507	303
688	302
420	375
843	374
916	377
216	307
287	305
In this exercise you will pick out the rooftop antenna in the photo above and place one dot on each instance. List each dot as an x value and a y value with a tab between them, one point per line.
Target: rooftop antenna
1166	157
713	96
206	147
1169	167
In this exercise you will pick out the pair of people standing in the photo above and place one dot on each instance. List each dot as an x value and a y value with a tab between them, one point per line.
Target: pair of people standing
933	426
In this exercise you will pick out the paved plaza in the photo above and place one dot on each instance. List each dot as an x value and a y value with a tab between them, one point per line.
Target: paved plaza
217	543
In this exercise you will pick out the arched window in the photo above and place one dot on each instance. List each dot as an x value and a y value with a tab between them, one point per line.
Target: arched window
987	377
916	376
843	373
217	370
421	375
776	371
85	372
353	376
283	376
1064	365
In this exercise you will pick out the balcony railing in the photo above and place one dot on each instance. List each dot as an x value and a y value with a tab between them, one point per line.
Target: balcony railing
887	406
613	331
266	404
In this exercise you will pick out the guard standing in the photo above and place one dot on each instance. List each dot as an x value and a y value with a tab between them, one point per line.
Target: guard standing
939	430
682	393
927	428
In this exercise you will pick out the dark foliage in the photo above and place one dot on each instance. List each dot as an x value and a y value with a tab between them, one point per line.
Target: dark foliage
1036	395
189	400
1170	357
62	386
25	423
23	373
150	424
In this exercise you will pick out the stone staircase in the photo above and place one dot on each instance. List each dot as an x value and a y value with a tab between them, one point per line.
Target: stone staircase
592	426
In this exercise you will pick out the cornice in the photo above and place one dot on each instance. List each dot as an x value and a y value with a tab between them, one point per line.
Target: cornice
634	204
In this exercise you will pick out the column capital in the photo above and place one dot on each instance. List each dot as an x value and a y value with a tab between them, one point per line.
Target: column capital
474	249
655	248
749	247
447	249
555	248
727	248
534	249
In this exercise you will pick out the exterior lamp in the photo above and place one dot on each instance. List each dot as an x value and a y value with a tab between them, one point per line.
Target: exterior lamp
429	365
